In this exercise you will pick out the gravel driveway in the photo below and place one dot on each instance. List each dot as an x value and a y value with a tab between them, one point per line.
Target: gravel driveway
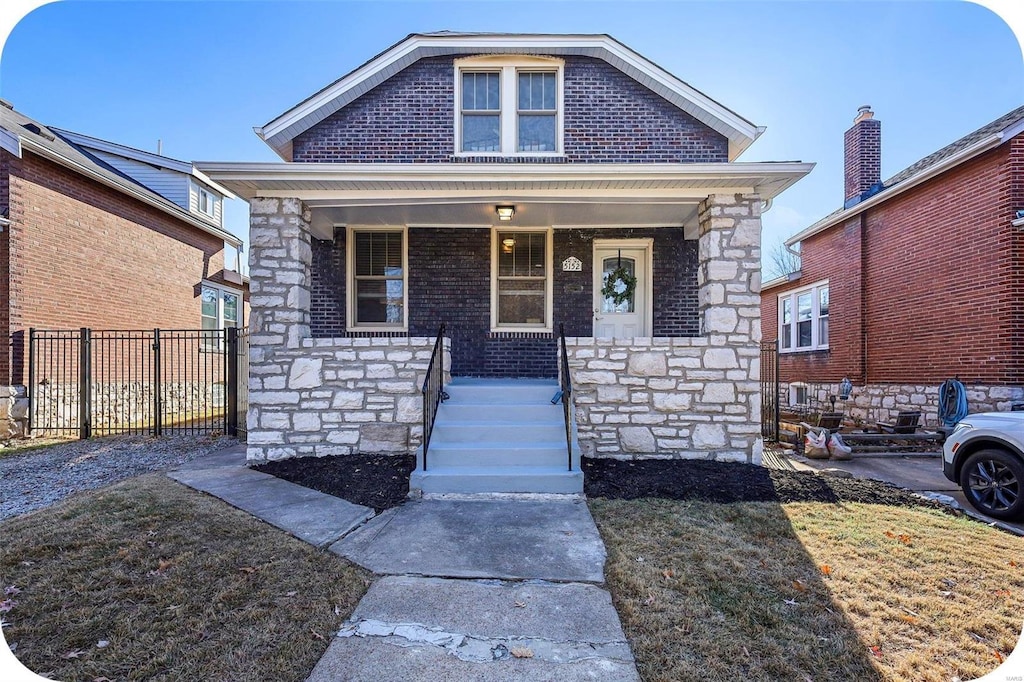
39	478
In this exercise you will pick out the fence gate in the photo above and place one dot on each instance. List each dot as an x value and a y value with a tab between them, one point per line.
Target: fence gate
770	391
88	382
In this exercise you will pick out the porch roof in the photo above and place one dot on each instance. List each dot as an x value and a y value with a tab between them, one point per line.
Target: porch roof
464	195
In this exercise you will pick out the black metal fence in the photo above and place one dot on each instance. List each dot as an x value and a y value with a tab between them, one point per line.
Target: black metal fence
89	382
770	391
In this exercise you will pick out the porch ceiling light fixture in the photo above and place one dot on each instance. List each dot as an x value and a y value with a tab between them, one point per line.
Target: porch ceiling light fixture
505	212
508	242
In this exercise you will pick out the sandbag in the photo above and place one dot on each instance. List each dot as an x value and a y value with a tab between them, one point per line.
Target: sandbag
838	449
816	445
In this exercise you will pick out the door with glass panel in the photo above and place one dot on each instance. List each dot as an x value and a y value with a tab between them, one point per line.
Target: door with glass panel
622	304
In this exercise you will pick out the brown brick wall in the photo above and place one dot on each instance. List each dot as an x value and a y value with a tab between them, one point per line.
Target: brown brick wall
5	275
85	255
938	282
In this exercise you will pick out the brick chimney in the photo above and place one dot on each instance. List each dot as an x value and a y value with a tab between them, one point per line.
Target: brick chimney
863	156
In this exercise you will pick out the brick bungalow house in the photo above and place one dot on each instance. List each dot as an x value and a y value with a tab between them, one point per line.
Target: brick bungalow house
96	234
493	183
915	280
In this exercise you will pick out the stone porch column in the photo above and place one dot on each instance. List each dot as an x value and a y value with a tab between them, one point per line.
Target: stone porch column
729	286
280	254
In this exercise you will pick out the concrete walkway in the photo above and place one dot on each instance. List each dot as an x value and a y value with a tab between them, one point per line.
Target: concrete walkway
473	588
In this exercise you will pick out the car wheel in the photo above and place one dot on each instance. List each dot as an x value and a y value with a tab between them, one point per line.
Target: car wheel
992	481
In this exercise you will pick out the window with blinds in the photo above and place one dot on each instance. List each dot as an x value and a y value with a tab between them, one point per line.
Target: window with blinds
377	278
522	279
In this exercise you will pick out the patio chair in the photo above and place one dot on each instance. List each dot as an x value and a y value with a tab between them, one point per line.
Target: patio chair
906	422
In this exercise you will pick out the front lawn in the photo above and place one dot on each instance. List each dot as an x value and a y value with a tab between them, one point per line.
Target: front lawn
149	579
810	590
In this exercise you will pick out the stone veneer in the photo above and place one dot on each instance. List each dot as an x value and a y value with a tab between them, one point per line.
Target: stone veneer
320	396
680	397
645	397
883	402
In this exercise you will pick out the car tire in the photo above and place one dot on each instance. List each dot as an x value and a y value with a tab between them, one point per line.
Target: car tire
993	482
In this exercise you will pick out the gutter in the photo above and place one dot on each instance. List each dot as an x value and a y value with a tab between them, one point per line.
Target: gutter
946	164
131	191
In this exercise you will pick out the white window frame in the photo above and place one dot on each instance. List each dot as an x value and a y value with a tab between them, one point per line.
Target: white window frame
508	68
793	296
350	280
221	291
212	199
549	242
794	394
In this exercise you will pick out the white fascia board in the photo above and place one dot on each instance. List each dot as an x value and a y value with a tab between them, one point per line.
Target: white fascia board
941	167
205	179
168	207
10	142
740	132
1019	222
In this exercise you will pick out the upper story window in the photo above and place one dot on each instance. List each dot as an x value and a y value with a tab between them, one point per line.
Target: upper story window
204	201
508	105
803	319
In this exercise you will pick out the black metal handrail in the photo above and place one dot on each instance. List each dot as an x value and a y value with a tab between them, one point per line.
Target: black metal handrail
565	385
433	390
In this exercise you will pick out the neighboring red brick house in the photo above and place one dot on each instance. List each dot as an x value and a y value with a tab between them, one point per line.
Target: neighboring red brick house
915	280
95	234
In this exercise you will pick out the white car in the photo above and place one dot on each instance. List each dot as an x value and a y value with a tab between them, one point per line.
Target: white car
985	455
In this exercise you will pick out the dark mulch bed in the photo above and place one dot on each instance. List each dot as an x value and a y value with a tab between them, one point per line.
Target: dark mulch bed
731	482
378	481
382	481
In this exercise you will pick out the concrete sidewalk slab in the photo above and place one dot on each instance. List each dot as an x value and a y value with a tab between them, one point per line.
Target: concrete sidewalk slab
431	628
309	515
517	539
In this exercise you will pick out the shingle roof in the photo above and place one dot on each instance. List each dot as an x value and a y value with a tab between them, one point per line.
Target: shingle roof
51	140
913	171
964	142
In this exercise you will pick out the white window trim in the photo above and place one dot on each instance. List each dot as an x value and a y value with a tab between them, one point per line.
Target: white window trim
350	279
794	392
220	302
215	198
815	317
549	242
508	67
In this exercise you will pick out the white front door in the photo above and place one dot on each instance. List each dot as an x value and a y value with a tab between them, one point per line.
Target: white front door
630	316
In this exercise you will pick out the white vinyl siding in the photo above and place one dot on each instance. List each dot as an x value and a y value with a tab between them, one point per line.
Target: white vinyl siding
170	184
803	319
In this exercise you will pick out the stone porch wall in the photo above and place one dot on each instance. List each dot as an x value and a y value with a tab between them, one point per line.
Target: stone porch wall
666	397
338	396
883	402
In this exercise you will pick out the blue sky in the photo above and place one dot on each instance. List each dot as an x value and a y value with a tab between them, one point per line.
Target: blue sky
200	75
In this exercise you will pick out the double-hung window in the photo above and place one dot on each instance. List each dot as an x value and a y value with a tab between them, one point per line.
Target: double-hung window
377	279
803	319
221	309
521	280
508	106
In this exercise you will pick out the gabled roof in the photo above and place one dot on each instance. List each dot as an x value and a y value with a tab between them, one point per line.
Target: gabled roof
279	132
156	160
57	146
967	147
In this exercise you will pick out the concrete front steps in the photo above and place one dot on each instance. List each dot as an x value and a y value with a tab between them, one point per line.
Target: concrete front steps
499	436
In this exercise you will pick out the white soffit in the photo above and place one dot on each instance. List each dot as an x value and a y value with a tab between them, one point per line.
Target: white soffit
279	132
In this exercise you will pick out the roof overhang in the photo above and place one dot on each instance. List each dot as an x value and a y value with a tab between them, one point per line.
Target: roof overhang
279	132
439	195
10	142
143	196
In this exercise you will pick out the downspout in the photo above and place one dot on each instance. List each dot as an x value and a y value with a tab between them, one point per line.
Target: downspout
863	217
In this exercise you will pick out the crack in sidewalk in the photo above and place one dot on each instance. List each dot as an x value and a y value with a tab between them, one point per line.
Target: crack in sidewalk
475	649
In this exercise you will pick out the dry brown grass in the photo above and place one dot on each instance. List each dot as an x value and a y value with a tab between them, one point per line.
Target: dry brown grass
181	585
810	591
